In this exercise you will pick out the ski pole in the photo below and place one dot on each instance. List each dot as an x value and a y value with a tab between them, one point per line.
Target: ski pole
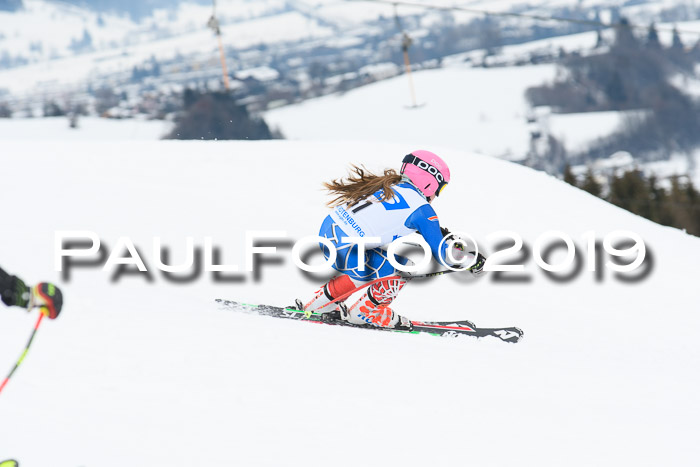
433	274
24	354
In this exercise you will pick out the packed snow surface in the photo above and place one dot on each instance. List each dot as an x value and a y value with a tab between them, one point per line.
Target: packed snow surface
150	372
87	129
483	110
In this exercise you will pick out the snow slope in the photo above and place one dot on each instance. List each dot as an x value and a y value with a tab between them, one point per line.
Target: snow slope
476	109
88	129
482	110
152	373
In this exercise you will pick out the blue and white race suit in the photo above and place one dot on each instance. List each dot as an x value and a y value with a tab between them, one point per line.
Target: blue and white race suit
407	212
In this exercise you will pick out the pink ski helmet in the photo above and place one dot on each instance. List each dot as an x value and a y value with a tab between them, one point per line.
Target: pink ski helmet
426	171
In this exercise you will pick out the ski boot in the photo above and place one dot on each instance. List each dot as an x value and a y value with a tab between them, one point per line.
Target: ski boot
364	312
373	307
324	300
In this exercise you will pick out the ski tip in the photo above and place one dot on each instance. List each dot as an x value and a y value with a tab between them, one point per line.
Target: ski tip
519	335
510	335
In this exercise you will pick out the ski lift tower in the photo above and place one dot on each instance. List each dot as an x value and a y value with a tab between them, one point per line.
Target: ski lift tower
213	24
406	42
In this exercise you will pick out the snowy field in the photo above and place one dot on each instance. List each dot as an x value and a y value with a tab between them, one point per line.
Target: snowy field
44	32
477	109
482	110
88	129
53	45
143	370
152	373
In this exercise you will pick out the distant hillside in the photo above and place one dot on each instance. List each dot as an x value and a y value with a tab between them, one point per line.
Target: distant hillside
135	8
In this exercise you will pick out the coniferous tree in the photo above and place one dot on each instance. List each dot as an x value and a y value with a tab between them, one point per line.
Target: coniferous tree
5	110
591	185
658	203
52	109
653	38
679	207
624	38
677	43
569	176
599	41
615	90
614	192
630	192
694	208
215	115
695	52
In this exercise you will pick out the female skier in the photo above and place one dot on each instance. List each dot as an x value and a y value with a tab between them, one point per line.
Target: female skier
47	297
388	206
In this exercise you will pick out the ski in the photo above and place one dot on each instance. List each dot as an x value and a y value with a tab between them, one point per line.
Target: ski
442	329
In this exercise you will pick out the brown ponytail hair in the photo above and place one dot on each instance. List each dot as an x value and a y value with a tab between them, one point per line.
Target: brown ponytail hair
360	184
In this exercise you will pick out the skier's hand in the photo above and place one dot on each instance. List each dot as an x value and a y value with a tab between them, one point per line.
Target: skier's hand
457	251
457	248
478	267
48	298
17	293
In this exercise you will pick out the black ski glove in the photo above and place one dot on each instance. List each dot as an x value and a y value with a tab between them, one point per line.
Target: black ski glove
478	267
45	296
15	293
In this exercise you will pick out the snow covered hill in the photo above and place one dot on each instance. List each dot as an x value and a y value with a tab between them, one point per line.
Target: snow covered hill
52	46
87	129
482	110
477	109
149	373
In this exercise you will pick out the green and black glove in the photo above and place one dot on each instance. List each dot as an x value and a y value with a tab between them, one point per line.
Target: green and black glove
459	245
45	296
478	267
15	292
